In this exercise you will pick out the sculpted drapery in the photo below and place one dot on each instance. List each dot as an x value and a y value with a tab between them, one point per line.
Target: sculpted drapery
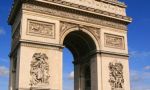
39	70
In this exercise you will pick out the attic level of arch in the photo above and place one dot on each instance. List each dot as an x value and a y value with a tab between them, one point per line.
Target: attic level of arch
118	13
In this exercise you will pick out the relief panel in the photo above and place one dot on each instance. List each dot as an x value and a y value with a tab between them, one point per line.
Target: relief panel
41	29
116	76
39	70
114	41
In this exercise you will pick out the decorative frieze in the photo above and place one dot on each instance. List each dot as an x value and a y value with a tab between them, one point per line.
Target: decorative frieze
41	29
94	31
64	26
39	70
111	6
73	16
116	76
114	41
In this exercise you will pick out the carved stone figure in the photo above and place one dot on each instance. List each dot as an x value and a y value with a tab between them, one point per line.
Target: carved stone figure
116	76
39	70
42	29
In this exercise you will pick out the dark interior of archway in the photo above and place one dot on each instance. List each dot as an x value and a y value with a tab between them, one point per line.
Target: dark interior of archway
79	43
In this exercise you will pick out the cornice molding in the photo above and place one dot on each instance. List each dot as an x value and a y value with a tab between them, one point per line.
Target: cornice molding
35	44
114	2
16	6
112	53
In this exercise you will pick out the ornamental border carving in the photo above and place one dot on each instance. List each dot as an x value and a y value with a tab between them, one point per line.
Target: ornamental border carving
94	31
114	41
64	26
40	46
41	29
74	16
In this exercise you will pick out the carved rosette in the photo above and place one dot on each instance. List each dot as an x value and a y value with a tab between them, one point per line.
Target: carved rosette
116	76
114	41
39	70
41	29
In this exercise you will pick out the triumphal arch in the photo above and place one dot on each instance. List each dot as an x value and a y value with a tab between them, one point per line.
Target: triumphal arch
95	31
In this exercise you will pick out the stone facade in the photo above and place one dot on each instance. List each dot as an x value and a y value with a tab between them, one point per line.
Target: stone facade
95	31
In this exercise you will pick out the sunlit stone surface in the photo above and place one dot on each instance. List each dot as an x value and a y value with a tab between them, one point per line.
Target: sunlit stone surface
95	31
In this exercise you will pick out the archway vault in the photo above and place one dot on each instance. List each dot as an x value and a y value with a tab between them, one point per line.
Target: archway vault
82	46
79	43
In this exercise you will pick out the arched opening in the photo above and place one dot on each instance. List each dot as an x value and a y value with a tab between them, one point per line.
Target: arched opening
68	70
82	46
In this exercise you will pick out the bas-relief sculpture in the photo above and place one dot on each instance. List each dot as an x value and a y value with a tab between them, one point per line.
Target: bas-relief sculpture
39	70
114	41
116	76
42	29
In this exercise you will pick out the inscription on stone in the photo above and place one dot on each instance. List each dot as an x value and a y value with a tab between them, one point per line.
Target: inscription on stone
41	29
114	41
116	76
39	70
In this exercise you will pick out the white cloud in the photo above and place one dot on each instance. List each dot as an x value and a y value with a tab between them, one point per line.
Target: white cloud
146	75
140	80
71	75
2	31
147	67
4	60
140	87
139	54
134	76
4	71
139	76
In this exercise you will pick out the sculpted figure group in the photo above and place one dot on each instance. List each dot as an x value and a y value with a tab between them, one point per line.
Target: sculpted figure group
116	76
39	70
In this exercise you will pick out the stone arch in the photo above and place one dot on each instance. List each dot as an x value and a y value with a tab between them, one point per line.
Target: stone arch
83	45
81	29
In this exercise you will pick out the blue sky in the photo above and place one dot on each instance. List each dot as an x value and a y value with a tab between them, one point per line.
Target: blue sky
138	39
